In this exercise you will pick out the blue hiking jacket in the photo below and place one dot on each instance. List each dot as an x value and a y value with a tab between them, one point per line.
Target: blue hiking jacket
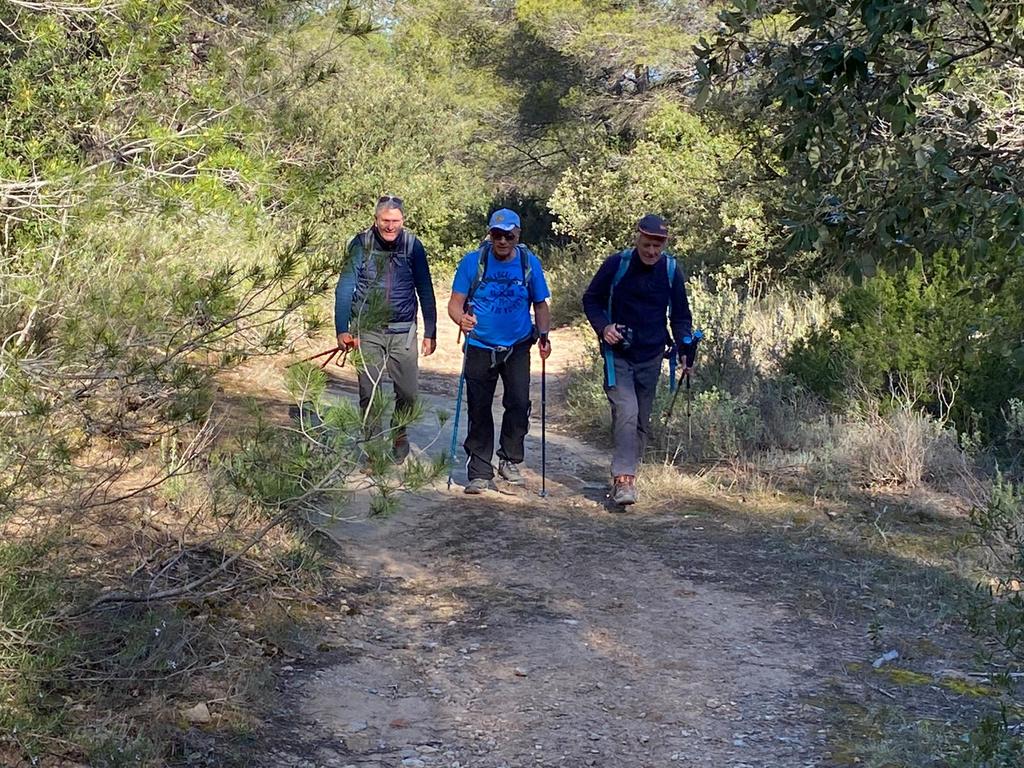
399	270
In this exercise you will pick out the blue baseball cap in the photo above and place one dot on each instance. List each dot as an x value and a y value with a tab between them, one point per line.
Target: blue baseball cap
504	219
652	225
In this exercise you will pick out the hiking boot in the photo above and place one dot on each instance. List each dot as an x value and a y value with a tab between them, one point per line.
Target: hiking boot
624	490
400	449
510	472
476	486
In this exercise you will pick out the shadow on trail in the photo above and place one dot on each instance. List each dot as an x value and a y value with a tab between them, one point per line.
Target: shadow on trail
512	630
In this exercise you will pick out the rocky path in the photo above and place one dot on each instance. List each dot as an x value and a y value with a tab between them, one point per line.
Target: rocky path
506	631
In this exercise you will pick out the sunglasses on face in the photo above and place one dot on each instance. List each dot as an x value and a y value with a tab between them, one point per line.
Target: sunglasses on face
390	199
501	234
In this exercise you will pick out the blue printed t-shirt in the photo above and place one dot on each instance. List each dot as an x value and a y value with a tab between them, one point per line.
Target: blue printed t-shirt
501	302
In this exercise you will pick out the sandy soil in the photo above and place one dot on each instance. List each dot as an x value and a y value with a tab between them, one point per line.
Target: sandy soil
511	630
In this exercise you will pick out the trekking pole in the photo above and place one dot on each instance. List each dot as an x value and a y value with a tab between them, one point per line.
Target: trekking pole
675	394
689	422
543	427
458	406
689	349
455	421
332	352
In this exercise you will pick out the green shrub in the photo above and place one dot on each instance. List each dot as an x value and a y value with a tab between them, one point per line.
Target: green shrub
999	532
993	743
32	651
996	616
921	326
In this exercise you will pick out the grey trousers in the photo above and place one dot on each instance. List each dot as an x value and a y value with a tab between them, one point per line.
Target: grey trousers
632	398
398	354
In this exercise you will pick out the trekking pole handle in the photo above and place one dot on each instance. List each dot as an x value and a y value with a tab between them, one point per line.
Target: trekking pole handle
467	311
688	347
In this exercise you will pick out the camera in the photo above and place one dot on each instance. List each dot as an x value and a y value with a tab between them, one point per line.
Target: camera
627	337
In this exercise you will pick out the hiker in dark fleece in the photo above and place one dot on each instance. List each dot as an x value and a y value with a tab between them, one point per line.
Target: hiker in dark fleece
627	303
387	267
492	293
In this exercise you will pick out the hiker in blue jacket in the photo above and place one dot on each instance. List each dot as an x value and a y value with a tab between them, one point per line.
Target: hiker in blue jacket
387	266
627	303
493	290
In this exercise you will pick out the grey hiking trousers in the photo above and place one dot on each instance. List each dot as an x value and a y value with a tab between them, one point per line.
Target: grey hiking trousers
632	398
398	355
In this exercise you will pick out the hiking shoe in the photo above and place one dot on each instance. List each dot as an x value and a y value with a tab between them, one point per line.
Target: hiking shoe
400	449
510	472
477	485
624	491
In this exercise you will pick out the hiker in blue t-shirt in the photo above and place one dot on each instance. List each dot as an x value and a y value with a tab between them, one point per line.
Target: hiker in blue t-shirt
627	304
492	292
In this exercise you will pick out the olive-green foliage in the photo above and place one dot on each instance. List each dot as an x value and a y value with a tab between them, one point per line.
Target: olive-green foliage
997	614
312	463
679	168
994	743
999	530
413	120
623	34
32	651
885	124
156	230
917	325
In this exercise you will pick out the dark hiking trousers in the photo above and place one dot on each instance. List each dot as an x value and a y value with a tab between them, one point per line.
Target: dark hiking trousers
483	367
631	399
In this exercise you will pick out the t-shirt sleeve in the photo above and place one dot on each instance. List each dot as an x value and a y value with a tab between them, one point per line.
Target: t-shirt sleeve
465	273
539	290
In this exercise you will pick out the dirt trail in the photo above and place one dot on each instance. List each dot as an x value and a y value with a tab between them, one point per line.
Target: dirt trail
510	631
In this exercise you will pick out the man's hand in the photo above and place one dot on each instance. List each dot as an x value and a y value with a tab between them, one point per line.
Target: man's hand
467	323
684	364
428	346
544	347
611	334
346	341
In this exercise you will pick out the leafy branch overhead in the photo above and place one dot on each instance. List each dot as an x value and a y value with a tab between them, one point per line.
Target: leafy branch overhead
886	119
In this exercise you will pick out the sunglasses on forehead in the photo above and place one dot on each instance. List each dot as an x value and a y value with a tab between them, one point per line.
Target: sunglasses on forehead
501	234
390	199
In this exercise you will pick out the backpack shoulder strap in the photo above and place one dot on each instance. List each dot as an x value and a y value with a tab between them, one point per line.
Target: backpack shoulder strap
358	247
481	271
527	265
670	265
408	241
620	272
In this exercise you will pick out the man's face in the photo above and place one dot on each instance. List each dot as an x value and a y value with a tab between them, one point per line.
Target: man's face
649	248
504	242
389	224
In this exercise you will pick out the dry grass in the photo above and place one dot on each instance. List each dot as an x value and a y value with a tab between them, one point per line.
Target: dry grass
132	668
